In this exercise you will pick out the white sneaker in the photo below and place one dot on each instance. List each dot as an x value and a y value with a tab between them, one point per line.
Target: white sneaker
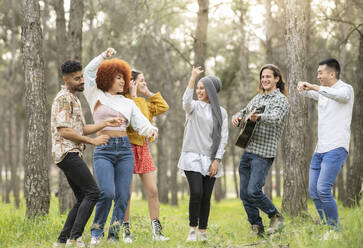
57	244
95	241
192	236
331	235
202	236
156	230
77	243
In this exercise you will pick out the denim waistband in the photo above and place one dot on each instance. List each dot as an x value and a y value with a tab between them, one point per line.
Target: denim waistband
118	140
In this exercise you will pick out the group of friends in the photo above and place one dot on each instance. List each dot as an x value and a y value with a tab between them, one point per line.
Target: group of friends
123	107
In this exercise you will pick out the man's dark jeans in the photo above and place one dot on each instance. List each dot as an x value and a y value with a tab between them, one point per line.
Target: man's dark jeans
86	191
253	170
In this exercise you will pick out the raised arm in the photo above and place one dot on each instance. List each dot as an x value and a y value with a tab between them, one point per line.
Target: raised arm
188	104
157	104
90	72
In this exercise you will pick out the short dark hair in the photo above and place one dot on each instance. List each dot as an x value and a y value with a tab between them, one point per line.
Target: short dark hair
333	64
70	66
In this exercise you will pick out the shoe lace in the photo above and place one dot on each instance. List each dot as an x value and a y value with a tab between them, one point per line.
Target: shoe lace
126	227
158	227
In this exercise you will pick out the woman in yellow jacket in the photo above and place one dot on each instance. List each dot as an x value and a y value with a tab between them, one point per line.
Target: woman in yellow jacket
144	165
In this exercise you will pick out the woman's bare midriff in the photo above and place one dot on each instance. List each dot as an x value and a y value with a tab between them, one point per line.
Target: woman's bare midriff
112	134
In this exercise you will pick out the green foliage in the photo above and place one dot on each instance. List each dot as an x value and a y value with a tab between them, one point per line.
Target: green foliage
228	227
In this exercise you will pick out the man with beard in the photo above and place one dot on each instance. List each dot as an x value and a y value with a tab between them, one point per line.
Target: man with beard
68	142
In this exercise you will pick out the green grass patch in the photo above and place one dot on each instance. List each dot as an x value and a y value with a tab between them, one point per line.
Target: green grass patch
228	227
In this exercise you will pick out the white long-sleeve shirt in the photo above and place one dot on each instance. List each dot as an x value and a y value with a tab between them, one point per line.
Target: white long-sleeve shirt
201	139
117	102
335	107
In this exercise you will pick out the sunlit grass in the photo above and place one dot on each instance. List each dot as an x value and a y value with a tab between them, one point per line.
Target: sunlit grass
228	227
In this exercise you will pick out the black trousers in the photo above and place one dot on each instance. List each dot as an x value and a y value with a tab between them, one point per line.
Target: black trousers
201	188
86	191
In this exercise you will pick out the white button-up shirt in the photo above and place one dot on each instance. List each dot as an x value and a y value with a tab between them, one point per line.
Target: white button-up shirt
335	107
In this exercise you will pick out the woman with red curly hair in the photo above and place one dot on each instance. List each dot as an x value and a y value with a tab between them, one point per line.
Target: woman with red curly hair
106	81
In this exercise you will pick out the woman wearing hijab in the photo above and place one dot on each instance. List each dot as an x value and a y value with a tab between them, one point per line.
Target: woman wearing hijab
205	137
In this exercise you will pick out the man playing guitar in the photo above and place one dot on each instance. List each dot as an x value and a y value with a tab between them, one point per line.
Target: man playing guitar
261	149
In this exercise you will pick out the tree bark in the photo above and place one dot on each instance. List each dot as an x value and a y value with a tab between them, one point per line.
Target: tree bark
75	29
37	193
162	158
355	172
295	172
200	42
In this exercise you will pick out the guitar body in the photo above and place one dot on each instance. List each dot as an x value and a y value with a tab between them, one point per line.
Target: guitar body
248	129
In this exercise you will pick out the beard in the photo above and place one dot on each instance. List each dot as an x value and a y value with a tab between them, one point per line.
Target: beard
79	88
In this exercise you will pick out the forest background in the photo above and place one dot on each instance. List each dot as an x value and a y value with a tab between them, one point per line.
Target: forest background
232	39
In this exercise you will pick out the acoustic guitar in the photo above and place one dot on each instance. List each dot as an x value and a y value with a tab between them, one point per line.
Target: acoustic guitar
247	128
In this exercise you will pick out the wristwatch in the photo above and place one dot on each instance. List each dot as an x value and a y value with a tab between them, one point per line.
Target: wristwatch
218	159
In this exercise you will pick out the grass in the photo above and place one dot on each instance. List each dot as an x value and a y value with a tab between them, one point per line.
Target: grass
228	227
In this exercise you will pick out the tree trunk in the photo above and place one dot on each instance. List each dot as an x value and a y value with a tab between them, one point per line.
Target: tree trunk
295	172
355	172
75	30
278	164
36	169
200	42
13	143
162	158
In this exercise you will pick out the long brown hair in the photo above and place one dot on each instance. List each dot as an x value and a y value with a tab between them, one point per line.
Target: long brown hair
281	84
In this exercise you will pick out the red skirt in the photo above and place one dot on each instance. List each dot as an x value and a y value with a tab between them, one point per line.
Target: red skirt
143	161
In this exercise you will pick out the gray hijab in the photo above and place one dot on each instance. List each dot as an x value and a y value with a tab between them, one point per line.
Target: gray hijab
213	85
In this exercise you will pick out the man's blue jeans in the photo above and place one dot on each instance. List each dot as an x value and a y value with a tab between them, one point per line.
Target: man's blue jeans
324	168
253	170
114	165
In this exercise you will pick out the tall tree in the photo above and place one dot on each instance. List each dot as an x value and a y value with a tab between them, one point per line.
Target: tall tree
37	193
75	29
200	41
355	172
295	171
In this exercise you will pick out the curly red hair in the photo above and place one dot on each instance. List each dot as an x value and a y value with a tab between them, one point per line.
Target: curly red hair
107	73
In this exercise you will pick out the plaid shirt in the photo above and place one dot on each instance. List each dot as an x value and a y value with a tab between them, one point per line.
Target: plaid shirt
271	124
66	112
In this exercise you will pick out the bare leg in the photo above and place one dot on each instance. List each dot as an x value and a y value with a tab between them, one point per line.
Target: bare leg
151	190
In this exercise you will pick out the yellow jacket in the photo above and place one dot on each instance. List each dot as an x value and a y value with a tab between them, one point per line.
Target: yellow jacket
156	106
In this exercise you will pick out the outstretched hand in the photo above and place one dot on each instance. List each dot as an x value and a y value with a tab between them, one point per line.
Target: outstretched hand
301	86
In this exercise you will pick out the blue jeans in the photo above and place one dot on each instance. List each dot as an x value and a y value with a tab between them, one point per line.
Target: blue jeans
324	168
253	170
114	165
